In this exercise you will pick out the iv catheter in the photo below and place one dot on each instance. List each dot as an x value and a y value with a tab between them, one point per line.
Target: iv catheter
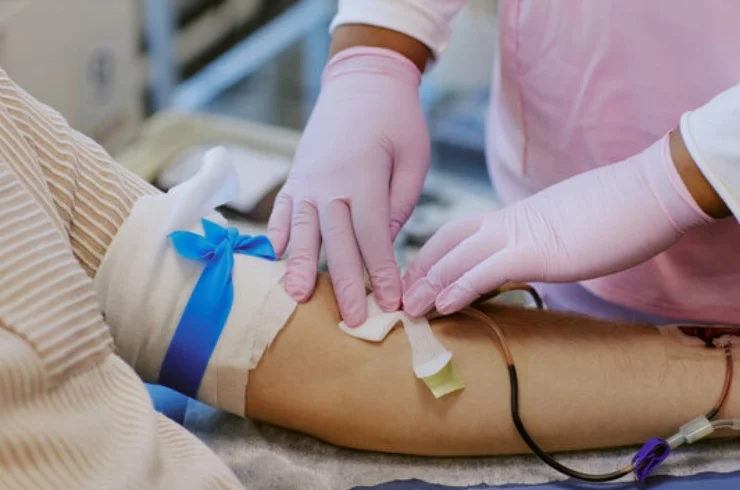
654	451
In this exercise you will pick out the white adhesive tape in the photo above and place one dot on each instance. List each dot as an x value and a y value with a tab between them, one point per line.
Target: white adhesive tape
428	355
143	287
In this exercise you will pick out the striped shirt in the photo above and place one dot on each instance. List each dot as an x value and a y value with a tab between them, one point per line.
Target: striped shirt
73	414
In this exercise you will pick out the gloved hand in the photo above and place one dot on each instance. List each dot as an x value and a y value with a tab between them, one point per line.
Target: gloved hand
357	175
600	222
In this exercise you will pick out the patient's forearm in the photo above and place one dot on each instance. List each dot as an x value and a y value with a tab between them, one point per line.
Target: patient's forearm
583	384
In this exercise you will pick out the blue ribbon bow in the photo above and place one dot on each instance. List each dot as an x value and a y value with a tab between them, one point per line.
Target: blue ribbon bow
210	303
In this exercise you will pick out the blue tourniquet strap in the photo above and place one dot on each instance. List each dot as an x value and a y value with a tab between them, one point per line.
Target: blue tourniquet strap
210	303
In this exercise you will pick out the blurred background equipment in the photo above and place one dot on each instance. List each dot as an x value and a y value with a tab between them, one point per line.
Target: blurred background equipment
261	61
77	56
148	77
458	86
196	49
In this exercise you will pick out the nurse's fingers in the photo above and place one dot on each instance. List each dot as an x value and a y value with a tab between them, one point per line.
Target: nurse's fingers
370	221
303	259
278	226
441	243
345	262
490	274
467	255
407	182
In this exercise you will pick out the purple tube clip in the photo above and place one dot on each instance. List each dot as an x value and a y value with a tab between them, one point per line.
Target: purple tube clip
649	457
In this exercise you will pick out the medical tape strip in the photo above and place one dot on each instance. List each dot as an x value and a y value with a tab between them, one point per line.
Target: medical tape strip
428	355
143	287
431	362
277	309
260	310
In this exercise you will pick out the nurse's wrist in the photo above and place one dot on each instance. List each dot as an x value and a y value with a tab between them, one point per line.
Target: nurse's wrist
698	186
354	35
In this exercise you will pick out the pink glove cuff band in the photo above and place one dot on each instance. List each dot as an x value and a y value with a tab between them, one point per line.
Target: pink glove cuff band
364	59
678	205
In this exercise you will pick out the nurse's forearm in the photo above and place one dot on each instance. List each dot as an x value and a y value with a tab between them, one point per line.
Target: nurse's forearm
583	384
351	35
698	186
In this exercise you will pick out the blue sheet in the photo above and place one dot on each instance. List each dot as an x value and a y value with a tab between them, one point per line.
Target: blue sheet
715	481
169	402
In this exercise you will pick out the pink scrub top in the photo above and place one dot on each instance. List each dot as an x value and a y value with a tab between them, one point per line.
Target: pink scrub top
583	83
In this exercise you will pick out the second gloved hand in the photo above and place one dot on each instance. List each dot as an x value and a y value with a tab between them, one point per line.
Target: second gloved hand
357	176
597	223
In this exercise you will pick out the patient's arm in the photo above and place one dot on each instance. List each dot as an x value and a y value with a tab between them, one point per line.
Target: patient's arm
583	384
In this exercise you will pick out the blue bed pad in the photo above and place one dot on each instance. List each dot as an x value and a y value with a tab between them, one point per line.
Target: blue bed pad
703	481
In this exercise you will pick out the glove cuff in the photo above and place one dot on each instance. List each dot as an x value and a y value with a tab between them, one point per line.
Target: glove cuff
371	60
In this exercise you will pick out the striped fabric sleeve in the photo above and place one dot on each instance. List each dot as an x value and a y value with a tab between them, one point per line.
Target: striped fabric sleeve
74	414
91	193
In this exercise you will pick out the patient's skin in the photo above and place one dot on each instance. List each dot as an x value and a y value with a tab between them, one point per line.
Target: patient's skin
584	383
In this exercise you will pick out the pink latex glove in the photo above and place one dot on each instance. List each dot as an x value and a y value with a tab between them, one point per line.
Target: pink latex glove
357	175
597	223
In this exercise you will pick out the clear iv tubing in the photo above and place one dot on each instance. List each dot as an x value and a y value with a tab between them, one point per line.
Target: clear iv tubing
727	424
514	383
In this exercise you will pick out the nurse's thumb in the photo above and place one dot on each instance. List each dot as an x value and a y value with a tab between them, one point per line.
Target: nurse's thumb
406	184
